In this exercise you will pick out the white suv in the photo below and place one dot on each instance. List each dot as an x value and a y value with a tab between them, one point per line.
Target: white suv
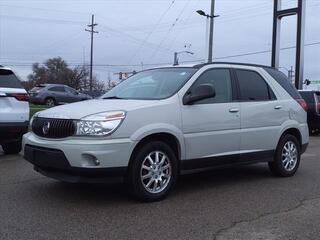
14	111
163	122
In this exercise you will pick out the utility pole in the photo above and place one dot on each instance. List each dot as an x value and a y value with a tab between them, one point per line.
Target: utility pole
211	32
211	17
91	30
291	75
175	59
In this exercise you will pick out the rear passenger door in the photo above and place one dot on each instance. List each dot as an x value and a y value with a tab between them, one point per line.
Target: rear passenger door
261	115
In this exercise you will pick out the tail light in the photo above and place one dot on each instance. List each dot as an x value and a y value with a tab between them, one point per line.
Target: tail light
317	103
19	96
303	104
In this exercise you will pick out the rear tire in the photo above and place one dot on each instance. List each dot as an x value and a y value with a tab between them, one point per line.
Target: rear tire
287	157
153	172
12	147
50	102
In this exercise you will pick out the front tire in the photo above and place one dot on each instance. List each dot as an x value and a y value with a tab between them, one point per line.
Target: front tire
12	147
153	172
287	157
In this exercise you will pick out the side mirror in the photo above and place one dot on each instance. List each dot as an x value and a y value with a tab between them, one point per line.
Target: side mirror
201	92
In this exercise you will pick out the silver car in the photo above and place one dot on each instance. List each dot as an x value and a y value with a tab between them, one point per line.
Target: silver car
55	94
164	122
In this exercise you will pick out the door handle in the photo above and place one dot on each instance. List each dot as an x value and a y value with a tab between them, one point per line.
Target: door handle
278	107
233	110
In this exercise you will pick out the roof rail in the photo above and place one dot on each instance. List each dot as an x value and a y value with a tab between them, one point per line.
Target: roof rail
235	63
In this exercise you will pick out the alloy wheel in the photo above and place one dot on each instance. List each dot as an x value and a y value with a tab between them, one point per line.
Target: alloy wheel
289	156
156	172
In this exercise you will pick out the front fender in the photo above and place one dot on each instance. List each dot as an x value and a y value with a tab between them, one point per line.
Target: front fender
150	129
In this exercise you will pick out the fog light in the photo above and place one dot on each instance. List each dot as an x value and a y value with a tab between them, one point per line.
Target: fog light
89	160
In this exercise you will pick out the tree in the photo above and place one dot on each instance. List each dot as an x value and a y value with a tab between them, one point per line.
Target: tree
56	70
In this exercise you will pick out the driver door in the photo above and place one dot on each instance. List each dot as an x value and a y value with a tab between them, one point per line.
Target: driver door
211	127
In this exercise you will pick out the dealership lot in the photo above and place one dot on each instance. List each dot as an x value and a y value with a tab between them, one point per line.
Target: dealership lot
237	203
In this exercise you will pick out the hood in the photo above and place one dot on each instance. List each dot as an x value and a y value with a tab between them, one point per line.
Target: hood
81	109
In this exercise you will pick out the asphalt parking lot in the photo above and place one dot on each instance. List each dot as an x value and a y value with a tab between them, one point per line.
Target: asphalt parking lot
237	203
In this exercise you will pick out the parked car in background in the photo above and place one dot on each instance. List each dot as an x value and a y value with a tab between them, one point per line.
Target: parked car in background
313	100
14	111
166	121
55	94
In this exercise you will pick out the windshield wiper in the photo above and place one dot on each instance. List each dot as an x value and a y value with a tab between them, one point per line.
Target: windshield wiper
113	97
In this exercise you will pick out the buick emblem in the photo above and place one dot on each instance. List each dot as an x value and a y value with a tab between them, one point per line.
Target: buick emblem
45	128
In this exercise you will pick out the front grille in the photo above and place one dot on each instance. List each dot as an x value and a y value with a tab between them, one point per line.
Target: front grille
53	128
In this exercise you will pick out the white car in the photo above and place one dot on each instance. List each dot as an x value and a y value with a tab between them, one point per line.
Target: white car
14	111
166	121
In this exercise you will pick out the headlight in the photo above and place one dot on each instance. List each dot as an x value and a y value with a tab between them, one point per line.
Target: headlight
100	124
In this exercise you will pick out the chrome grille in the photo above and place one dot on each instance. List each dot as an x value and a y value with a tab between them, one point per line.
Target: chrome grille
53	128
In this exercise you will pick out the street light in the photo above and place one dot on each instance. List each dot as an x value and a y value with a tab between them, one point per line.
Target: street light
209	17
176	59
202	13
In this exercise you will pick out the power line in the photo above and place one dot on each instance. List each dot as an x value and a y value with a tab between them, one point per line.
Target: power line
152	31
168	63
169	30
137	40
43	9
41	20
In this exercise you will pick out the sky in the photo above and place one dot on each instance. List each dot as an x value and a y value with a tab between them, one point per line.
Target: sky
139	34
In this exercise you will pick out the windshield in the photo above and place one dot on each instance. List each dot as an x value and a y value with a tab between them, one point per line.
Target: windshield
152	84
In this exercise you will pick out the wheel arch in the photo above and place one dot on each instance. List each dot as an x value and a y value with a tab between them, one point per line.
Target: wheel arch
292	131
165	137
50	97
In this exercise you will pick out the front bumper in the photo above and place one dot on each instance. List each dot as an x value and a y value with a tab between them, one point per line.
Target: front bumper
53	163
10	132
78	160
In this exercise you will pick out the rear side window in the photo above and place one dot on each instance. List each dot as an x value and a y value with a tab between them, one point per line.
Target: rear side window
57	89
70	90
9	80
308	96
281	78
252	86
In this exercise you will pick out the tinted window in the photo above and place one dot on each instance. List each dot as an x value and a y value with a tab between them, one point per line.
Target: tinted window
282	79
71	90
57	89
308	96
9	80
252	86
220	79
